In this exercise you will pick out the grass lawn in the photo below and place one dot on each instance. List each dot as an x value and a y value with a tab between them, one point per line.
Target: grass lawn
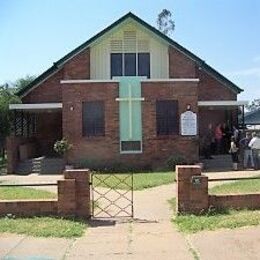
221	219
141	180
246	186
37	226
13	193
43	226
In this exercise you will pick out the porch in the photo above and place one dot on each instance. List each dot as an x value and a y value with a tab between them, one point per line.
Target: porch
228	113
36	127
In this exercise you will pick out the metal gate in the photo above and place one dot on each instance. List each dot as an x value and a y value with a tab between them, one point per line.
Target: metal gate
112	195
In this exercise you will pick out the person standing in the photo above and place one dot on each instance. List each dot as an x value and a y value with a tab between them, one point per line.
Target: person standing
247	151
218	138
234	153
254	144
208	139
226	137
235	133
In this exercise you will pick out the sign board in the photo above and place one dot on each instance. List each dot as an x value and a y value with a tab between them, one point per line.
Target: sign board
188	123
196	180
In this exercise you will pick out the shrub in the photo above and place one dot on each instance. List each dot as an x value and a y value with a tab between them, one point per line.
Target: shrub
62	146
110	166
174	160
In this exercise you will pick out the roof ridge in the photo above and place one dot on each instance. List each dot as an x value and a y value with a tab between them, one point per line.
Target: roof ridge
171	42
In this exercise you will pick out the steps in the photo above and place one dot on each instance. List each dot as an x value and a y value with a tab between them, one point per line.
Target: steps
221	162
41	165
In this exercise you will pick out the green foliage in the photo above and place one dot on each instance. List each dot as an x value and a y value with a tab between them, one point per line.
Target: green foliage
230	219
254	105
23	82
140	180
62	146
6	97
175	159
43	226
14	193
238	187
215	219
110	166
165	22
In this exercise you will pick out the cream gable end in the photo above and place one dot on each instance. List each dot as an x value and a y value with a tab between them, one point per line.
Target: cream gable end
129	37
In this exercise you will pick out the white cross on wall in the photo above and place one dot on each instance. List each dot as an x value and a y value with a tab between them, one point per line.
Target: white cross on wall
130	100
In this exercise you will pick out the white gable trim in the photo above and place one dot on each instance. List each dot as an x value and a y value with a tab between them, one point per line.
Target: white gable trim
38	106
222	103
82	81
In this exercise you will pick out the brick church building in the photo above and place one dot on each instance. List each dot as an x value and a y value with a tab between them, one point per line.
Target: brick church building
122	97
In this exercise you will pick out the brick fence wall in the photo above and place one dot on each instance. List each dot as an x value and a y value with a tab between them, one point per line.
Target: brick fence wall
73	199
193	196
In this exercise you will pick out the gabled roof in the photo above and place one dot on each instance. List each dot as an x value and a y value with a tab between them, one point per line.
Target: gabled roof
57	65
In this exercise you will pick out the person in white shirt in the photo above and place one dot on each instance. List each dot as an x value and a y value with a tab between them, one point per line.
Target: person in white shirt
254	144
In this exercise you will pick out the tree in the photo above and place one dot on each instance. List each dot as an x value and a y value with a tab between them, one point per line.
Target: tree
254	105
165	22
23	82
6	97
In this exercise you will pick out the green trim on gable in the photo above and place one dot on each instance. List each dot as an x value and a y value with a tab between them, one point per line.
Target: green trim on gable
171	42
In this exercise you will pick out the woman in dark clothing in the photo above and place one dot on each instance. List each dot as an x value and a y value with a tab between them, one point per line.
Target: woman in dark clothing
234	153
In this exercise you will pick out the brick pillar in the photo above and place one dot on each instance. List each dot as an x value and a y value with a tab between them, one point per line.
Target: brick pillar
82	190
67	197
12	147
192	189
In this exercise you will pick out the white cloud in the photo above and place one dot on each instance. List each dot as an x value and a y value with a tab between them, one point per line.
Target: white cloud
255	72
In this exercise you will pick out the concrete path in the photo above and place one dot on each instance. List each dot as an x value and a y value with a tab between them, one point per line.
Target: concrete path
239	244
150	235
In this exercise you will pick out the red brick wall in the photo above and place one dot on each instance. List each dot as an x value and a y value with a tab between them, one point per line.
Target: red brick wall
212	89
12	147
48	91
193	197
28	207
180	66
101	147
157	149
49	125
73	199
250	201
106	148
78	67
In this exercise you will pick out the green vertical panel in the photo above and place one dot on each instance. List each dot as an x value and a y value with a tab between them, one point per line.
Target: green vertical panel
124	121
136	109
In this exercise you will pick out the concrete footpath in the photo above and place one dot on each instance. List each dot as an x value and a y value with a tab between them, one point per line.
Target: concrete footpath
150	235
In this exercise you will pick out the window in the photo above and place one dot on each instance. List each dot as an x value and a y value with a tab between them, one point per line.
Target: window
130	64
131	146
167	117
116	64
93	118
144	64
24	124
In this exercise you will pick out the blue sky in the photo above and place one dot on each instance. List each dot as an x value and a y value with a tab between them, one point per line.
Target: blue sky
226	34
